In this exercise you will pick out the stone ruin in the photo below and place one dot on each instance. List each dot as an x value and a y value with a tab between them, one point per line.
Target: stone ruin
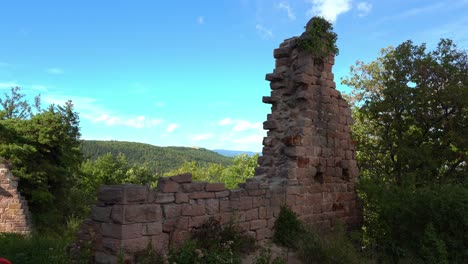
308	164
14	212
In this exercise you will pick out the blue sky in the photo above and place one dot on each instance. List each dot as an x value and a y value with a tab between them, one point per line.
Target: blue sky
190	73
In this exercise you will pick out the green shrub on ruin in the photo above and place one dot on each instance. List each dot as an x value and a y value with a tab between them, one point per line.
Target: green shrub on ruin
319	38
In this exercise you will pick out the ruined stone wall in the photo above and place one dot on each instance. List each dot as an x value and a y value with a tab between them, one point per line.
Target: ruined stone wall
14	212
309	145
308	163
128	217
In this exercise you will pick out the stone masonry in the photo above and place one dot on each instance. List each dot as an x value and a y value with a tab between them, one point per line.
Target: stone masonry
14	212
308	164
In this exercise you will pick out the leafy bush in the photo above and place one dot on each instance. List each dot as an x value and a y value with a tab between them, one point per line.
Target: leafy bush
211	243
38	248
424	224
288	228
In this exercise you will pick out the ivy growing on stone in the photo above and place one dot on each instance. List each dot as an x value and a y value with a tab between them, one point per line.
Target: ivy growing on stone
319	38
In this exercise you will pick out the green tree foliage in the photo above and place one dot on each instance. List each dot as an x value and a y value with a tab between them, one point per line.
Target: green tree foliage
114	169
319	38
243	167
44	149
412	114
159	159
411	121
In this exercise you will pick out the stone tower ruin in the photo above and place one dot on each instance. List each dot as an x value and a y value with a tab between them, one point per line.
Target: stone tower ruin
308	164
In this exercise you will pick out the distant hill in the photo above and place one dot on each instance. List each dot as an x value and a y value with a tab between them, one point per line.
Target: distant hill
160	159
232	153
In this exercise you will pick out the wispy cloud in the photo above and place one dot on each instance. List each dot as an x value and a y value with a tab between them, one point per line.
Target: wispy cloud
285	5
35	87
264	32
417	11
329	9
200	20
8	85
364	8
240	125
171	128
135	122
89	109
56	71
201	137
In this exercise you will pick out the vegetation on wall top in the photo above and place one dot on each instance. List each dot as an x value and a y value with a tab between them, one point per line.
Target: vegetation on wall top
319	38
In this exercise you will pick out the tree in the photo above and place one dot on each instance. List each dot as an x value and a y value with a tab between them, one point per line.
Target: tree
410	108
243	167
411	111
44	149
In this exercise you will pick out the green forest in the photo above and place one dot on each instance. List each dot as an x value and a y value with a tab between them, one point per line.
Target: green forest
159	159
410	107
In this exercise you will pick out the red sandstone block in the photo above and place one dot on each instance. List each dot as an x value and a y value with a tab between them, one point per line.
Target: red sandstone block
178	238
258	224
135	193
244	226
194	186
135	245
160	243
264	233
181	197
175	223
197	221
101	214
168	186
225	206
164	197
215	187
212	206
201	195
121	231
172	210
256	192
222	194
281	52
154	228
245	203
182	178
251	214
193	210
111	194
143	213
291	200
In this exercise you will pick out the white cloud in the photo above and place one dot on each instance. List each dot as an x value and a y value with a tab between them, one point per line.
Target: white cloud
8	85
264	32
364	8
34	87
285	5
200	20
329	9
171	128
201	137
55	71
240	125
89	110
135	122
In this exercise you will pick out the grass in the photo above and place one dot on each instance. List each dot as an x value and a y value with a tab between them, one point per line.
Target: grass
34	249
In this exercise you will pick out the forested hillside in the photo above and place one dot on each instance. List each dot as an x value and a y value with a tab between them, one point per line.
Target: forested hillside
159	159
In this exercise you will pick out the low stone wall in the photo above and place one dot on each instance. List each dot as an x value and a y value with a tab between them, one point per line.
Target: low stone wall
129	217
14	212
